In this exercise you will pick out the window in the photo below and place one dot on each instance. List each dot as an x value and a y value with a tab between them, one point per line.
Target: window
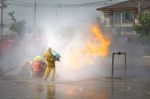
107	18
117	17
123	17
127	17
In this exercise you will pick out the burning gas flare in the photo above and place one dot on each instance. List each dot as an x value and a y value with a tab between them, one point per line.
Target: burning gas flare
99	46
96	46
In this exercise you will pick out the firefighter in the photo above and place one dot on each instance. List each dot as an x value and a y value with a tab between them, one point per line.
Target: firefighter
36	67
50	64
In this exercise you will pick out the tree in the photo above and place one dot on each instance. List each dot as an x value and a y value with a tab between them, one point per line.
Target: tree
143	26
18	27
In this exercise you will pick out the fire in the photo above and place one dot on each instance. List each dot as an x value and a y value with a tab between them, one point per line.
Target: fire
96	46
99	45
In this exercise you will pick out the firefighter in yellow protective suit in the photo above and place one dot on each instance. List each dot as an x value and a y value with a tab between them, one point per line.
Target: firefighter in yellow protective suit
50	64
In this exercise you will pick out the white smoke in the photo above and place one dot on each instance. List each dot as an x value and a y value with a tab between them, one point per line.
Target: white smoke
70	37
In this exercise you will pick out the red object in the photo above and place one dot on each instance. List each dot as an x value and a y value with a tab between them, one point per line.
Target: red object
6	44
36	66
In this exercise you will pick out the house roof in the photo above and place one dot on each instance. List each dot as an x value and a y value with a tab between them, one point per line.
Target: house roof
127	5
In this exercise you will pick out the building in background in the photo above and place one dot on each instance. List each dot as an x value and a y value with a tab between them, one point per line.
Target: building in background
120	17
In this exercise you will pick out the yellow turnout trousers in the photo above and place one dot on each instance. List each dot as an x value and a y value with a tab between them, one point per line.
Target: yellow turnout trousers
50	70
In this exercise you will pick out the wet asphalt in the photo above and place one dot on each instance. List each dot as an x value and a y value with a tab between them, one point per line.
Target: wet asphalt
102	88
134	85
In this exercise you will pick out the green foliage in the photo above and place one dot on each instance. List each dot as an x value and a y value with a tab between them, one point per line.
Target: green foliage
143	26
18	27
13	27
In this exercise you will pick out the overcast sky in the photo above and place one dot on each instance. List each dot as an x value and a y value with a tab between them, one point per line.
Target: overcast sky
52	11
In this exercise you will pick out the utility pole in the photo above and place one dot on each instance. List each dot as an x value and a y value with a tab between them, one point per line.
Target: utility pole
34	16
139	6
2	5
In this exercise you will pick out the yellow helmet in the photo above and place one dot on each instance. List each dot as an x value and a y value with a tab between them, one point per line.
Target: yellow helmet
37	58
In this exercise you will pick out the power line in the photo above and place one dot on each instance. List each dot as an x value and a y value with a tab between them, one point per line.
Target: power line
45	5
79	4
91	4
21	5
34	15
21	2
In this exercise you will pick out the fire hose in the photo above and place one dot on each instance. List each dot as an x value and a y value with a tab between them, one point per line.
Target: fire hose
3	73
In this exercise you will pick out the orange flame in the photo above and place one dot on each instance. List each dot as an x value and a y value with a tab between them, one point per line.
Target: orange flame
98	45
